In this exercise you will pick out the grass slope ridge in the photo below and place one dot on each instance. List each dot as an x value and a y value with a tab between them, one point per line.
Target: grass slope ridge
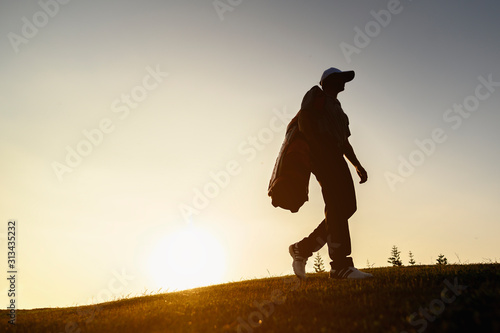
451	298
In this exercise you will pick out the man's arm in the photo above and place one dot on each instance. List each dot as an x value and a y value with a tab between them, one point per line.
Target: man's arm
351	156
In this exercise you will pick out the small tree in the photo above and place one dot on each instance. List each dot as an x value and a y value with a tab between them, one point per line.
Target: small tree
318	264
395	258
411	261
441	260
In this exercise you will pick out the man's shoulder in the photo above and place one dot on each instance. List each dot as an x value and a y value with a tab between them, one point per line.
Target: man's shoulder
315	91
314	98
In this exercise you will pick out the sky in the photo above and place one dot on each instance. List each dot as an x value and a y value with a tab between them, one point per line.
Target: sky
138	137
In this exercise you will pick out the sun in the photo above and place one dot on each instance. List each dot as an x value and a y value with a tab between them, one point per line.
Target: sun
187	258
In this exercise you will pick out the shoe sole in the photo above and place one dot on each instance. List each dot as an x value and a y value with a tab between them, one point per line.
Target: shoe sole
290	250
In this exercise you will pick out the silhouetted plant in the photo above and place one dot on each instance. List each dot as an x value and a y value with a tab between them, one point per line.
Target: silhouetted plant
441	260
411	261
395	258
318	264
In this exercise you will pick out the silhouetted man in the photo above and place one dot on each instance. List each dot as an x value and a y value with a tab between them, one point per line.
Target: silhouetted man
326	129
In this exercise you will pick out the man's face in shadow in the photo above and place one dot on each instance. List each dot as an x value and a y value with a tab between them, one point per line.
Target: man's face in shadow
333	84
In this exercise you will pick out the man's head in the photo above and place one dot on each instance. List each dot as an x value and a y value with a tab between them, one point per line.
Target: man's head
333	80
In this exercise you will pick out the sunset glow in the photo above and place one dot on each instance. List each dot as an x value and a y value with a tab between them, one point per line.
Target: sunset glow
188	258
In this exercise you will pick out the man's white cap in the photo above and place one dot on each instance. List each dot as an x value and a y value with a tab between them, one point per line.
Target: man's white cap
345	76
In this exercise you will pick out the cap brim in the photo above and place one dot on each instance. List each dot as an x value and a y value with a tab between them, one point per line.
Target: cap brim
348	75
344	76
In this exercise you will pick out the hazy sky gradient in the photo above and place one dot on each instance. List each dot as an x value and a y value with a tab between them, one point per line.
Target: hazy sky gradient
227	81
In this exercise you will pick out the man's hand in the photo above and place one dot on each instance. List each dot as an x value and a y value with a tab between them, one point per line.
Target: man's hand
349	153
363	175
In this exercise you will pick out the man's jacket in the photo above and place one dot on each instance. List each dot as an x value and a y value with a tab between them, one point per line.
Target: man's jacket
289	184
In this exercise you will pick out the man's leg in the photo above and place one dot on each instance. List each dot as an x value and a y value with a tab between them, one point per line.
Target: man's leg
314	242
338	192
337	212
339	242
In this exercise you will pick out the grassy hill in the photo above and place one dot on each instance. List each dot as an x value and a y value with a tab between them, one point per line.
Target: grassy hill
451	298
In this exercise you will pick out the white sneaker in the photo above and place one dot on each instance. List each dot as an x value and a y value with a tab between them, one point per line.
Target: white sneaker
349	273
299	263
